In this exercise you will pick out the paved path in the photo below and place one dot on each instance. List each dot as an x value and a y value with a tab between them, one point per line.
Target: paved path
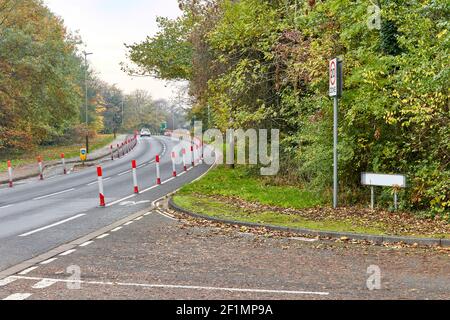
157	256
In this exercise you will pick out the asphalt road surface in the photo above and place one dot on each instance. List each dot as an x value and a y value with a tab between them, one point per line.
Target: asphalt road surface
161	255
38	216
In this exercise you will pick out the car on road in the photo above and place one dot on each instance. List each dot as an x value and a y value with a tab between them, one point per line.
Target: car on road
145	133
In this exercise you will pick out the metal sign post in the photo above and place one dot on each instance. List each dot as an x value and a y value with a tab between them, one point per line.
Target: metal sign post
336	87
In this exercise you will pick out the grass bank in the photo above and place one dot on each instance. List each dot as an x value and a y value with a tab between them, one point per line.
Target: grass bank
49	153
238	195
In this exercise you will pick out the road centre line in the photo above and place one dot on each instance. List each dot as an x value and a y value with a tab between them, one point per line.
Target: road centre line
183	287
54	194
68	252
52	225
95	182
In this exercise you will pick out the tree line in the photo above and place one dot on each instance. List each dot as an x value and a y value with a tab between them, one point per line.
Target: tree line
264	64
42	85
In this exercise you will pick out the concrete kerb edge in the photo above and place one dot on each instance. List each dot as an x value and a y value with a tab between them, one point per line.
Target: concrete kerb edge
378	239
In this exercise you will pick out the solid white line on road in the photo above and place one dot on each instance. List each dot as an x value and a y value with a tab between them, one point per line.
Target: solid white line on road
6	281
167	215
52	225
103	236
68	252
49	261
7	206
116	229
18	296
86	243
54	194
44	283
183	287
27	271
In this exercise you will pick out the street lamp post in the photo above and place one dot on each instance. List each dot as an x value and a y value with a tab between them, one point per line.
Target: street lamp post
86	98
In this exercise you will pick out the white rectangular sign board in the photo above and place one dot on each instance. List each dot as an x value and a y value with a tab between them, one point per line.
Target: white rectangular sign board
334	77
383	180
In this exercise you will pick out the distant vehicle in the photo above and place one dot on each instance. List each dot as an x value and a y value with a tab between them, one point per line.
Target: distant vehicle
145	133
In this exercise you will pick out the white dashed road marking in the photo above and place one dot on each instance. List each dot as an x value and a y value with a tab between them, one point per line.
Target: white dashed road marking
54	194
52	225
86	243
116	229
26	271
103	236
6	281
18	296
49	261
68	252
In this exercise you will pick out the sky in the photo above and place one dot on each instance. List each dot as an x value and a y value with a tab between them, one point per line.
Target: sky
105	25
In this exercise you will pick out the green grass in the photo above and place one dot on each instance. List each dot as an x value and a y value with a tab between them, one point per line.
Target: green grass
49	153
218	209
227	182
204	197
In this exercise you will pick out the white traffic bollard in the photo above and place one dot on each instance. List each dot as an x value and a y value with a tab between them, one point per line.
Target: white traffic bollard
63	161
158	172
100	186
184	159
118	151
135	182
10	174
41	173
192	156
112	153
174	169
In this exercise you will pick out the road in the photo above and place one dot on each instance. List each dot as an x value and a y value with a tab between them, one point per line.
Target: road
40	215
158	254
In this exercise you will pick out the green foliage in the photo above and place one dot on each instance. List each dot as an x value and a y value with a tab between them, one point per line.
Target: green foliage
268	68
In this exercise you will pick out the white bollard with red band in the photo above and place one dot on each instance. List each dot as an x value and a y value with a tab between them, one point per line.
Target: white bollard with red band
41	173
184	159
135	182
112	153
174	169
100	186
192	156
63	161
10	174
158	172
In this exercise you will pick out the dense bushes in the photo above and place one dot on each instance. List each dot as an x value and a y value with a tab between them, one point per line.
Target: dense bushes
265	64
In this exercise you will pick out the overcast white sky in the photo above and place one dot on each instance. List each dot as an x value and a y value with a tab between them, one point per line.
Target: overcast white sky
105	25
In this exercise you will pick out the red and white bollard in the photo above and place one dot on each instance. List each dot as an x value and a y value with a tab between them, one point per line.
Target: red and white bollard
174	169
41	173
63	161
112	153
100	186
118	151
184	159
10	174
158	172
135	182
192	156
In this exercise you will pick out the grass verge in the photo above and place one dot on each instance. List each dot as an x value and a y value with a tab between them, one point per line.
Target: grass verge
49	153
240	196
